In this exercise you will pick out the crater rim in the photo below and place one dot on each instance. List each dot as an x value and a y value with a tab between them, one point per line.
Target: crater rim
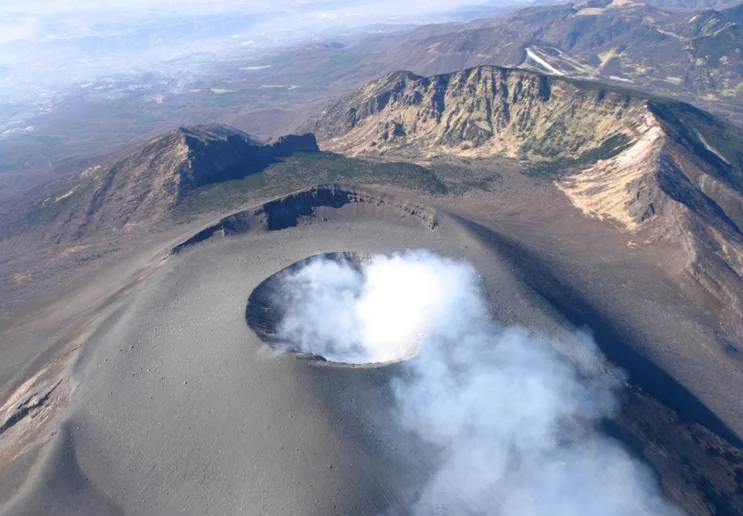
262	313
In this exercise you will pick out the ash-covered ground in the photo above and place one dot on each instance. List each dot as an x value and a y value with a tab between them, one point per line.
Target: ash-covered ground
174	405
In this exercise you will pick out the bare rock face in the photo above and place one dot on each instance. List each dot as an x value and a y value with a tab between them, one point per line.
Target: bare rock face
661	169
294	143
480	112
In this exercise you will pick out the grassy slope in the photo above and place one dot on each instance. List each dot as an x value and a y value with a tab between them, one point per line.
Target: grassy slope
305	170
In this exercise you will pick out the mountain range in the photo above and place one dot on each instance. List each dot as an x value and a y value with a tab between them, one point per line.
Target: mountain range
697	55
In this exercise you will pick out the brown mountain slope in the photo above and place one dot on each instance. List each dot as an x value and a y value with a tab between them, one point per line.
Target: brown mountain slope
141	188
662	170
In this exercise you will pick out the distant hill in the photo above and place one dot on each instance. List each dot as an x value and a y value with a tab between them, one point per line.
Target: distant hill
695	56
692	5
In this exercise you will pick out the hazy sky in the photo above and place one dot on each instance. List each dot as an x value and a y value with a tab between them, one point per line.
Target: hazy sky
45	44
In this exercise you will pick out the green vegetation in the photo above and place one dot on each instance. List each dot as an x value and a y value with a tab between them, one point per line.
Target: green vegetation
463	177
303	171
45	211
558	139
610	147
485	184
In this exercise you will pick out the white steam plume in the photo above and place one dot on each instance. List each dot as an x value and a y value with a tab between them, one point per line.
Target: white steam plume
512	414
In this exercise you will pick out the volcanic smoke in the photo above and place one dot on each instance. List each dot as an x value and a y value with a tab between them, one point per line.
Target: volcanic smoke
513	415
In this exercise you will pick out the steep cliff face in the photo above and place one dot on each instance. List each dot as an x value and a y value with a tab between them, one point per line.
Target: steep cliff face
141	188
662	169
480	112
217	153
679	182
617	155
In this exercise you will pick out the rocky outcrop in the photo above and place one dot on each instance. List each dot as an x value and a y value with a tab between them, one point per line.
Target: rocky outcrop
621	188
292	144
624	42
481	112
681	179
214	153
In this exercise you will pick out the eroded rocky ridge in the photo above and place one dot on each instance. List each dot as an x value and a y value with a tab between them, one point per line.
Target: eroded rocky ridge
663	170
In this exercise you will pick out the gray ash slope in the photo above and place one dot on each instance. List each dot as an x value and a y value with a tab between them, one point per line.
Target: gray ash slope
176	409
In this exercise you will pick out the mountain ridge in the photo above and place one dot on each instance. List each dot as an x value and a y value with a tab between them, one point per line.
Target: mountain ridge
656	168
143	186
